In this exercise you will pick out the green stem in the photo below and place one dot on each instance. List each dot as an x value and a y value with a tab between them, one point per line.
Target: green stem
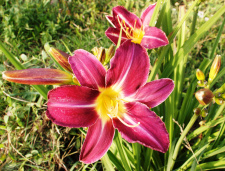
179	142
123	156
41	89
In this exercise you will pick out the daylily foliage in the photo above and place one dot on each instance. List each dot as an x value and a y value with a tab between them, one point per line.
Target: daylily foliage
118	98
135	29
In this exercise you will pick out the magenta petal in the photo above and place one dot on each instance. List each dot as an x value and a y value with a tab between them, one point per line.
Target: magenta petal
147	15
151	132
72	106
129	68
114	33
154	38
99	139
87	69
155	92
129	18
112	21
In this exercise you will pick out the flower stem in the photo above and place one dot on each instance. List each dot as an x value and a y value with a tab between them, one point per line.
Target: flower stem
179	142
123	156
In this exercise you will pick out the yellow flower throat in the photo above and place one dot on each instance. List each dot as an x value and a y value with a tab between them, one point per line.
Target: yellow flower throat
110	104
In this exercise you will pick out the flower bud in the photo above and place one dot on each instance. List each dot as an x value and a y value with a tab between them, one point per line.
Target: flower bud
197	111
219	101
99	53
204	113
214	68
110	52
95	51
38	76
60	56
200	75
204	96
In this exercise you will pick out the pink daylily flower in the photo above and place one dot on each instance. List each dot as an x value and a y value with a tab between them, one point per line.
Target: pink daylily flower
134	28
118	98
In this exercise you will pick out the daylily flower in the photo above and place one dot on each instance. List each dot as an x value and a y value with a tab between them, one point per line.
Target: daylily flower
134	28
118	98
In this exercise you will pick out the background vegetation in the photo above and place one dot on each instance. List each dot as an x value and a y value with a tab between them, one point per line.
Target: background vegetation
29	141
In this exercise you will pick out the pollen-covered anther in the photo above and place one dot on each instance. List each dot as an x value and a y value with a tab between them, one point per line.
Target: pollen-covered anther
135	34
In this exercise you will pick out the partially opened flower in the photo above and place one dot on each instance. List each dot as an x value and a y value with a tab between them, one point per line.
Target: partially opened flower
134	28
117	98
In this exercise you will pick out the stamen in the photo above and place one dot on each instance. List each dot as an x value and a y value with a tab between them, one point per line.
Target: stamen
132	33
131	126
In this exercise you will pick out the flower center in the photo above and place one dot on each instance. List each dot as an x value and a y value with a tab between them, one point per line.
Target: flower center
110	104
135	34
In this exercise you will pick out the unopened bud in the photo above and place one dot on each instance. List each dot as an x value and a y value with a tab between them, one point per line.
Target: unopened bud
197	111
204	113
110	52
95	51
99	53
200	75
60	57
204	96
214	68
219	101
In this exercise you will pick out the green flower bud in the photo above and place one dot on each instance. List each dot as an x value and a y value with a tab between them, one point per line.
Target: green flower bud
219	101
204	113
